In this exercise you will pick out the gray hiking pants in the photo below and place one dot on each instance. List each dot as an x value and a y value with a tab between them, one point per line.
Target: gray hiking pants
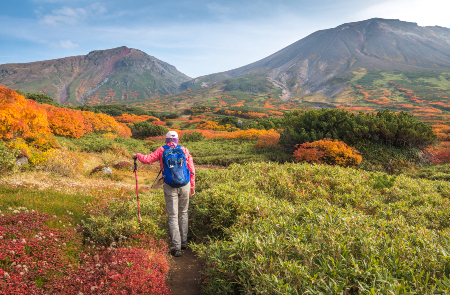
177	202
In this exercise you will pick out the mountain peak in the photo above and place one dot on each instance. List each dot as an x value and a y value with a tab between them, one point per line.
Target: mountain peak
101	76
308	65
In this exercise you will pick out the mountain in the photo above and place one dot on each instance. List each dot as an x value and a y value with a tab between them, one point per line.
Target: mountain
323	62
102	76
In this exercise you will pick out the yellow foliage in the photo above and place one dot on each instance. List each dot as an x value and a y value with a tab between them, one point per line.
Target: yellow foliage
208	125
19	144
110	135
63	162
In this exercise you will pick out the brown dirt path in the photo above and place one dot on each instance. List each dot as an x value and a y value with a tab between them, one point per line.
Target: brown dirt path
184	274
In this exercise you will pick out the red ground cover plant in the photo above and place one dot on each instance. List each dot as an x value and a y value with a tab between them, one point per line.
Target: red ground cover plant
37	259
439	154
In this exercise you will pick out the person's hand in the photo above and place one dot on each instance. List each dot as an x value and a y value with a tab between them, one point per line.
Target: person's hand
134	156
192	192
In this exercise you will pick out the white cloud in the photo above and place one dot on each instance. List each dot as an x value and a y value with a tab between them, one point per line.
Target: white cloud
71	16
65	15
67	44
422	12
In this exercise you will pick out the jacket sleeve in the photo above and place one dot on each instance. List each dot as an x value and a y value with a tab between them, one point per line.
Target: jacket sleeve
153	157
190	165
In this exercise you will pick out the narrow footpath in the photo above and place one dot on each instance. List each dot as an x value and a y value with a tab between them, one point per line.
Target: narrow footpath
184	274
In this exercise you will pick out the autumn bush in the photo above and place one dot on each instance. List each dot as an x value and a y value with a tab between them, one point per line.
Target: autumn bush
132	118
20	117
269	139
250	134
327	151
207	125
441	154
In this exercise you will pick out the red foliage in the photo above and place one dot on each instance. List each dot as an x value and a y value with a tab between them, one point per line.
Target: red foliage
35	260
159	123
442	156
306	153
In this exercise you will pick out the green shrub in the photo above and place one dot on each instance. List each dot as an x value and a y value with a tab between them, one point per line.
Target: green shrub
194	136
117	219
7	159
316	229
385	127
146	129
382	181
40	98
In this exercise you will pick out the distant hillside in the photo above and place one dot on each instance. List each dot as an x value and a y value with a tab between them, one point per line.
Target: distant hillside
323	62
102	76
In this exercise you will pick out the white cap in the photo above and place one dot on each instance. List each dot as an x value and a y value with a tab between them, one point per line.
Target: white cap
172	134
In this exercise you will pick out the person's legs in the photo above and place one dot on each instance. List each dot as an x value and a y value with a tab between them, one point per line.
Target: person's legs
171	198
183	204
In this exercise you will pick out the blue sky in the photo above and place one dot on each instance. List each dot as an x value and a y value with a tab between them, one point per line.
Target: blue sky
197	37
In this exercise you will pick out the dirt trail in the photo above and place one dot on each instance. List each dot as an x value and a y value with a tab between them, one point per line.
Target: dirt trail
184	275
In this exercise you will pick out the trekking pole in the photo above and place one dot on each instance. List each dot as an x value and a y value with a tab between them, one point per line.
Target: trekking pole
137	192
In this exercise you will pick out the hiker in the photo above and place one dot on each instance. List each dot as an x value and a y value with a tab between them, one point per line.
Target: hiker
178	171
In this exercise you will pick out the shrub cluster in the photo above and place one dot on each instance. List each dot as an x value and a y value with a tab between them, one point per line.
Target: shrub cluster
298	229
20	117
327	151
113	217
387	127
147	129
191	137
7	158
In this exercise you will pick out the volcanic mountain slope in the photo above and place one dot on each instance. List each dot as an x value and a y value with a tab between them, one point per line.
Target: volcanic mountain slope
322	62
102	76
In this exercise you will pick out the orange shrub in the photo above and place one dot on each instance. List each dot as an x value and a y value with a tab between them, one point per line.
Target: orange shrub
306	153
131	118
20	117
66	122
327	151
157	123
250	134
270	138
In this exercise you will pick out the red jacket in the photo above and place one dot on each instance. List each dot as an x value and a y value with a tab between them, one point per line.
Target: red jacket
157	155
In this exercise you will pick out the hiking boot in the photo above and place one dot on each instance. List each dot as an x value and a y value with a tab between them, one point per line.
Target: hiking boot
176	253
183	245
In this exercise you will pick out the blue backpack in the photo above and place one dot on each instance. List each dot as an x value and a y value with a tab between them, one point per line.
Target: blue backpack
175	173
